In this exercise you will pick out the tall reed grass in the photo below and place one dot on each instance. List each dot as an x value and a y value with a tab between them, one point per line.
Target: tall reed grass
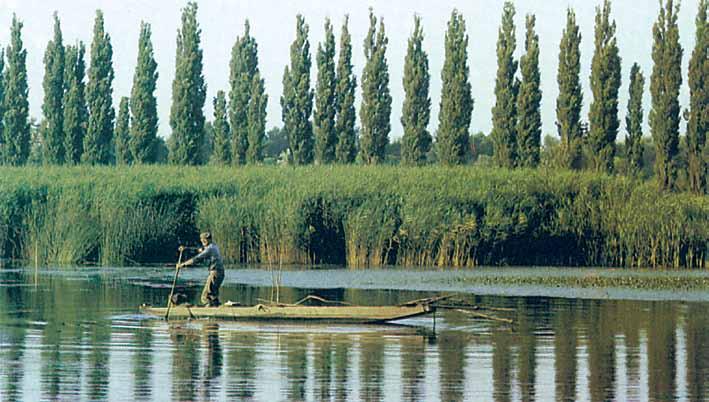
354	215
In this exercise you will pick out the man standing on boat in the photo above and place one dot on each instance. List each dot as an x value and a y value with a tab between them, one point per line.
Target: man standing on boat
209	252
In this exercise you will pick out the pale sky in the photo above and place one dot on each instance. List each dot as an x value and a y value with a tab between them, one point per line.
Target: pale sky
273	26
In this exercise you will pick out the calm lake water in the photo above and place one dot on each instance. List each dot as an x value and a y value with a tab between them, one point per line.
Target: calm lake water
76	334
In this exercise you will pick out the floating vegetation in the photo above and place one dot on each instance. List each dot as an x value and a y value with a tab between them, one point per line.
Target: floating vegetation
629	281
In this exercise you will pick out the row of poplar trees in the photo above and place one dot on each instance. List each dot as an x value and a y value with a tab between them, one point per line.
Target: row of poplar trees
78	116
78	124
516	117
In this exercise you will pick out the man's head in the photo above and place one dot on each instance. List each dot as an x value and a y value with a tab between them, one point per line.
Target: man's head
205	238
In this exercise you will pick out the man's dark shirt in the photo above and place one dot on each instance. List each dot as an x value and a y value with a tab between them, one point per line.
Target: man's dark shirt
213	256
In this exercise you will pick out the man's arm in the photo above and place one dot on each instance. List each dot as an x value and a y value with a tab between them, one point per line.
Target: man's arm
206	252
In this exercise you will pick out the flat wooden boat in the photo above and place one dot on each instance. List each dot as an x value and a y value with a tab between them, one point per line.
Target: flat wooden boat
280	312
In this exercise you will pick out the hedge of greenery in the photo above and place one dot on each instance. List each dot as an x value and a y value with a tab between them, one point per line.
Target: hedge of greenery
354	215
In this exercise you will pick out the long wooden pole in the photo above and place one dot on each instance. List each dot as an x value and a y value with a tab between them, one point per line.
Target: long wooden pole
174	282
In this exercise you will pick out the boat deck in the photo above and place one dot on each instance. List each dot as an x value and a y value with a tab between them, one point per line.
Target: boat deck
335	314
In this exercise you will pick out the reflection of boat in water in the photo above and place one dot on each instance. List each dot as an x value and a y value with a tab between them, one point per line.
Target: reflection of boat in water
283	312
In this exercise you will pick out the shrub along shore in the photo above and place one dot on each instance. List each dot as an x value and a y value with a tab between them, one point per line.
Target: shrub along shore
361	216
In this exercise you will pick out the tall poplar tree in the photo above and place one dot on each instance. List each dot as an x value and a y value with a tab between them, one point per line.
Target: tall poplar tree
221	149
16	127
76	114
504	113
375	112
2	106
52	128
122	133
605	83
698	123
143	104
570	99
456	101
189	92
416	110
243	68
257	120
529	118
346	148
98	142
665	81
297	99
325	105
634	120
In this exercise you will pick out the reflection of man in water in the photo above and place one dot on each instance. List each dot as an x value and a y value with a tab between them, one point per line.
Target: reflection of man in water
192	377
213	366
209	252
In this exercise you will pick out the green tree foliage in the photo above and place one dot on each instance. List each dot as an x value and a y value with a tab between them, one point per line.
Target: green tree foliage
605	82
570	99
325	105
416	110
221	153
243	68
122	133
2	105
257	120
98	141
297	99
698	124
634	121
481	146
346	148
276	143
143	104
456	100
504	113
665	81
375	112
52	128
529	118
76	114
16	127
189	92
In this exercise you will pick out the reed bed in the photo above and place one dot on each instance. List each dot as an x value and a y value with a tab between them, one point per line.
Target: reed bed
361	216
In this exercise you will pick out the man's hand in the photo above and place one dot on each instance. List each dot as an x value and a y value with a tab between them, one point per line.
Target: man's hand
181	248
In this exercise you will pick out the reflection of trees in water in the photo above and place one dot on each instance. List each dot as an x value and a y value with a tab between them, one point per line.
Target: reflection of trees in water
323	363
142	362
697	328
214	362
295	347
241	366
12	299
61	368
601	350
413	367
12	359
341	367
371	368
661	344
451	349
185	362
99	338
631	318
501	366
526	320
565	344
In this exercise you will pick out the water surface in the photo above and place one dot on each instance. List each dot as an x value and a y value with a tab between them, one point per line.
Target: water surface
76	334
